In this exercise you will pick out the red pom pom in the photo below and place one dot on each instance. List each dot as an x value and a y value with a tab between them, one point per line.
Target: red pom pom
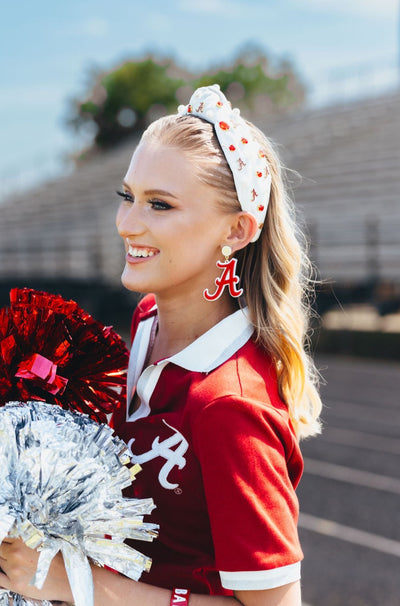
52	350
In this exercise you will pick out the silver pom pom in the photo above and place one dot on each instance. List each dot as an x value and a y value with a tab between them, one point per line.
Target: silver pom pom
61	482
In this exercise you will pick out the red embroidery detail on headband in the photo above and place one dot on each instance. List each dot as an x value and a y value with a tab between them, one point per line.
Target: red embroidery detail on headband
190	109
201	107
224	126
259	173
232	148
260	207
241	164
219	104
254	194
244	141
261	154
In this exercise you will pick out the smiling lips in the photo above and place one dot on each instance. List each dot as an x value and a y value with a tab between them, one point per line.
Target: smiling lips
141	252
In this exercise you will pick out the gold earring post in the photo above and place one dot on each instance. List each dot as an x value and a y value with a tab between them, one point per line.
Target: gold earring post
226	251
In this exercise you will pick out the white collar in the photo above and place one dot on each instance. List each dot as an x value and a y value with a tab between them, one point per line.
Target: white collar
216	345
206	353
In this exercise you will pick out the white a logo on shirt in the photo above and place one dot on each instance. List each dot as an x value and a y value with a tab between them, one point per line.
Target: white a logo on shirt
164	449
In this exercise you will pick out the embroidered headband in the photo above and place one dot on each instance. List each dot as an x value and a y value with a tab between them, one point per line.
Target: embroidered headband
245	158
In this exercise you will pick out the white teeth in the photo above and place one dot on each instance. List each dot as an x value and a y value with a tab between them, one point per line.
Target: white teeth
140	252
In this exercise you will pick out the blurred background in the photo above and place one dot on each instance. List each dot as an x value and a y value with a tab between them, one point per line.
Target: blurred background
78	83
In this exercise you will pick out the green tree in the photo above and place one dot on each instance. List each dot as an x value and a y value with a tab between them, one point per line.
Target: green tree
120	100
255	83
124	100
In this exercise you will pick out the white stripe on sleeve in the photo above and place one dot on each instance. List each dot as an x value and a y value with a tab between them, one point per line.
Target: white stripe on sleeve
261	579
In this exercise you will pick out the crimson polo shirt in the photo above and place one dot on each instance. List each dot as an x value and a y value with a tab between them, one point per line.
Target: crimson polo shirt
219	457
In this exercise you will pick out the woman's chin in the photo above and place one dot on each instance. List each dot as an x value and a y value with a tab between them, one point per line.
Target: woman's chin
129	282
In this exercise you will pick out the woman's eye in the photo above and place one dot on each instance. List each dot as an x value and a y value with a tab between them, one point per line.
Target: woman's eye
159	205
125	195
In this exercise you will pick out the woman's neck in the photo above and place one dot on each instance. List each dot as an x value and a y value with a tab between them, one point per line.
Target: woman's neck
182	322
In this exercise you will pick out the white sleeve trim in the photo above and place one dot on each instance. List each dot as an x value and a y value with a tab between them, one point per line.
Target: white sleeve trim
261	579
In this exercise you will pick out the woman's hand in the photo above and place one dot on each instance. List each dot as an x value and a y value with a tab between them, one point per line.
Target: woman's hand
18	565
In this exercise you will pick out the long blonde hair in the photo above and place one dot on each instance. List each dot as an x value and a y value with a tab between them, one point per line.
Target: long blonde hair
275	270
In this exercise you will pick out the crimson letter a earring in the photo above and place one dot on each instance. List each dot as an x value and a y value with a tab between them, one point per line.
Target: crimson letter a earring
228	277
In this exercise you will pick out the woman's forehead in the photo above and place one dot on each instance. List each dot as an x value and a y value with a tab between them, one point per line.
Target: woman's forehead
158	166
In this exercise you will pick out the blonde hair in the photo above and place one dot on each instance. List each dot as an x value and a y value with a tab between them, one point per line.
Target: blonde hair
275	270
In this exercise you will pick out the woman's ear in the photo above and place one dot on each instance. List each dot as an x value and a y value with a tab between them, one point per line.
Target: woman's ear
243	229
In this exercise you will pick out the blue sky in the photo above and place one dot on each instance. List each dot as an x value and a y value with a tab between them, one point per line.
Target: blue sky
48	46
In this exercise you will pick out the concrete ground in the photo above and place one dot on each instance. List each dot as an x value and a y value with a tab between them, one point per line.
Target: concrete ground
350	492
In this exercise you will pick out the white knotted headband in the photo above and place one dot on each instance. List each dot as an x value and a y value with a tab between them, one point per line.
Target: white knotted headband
243	153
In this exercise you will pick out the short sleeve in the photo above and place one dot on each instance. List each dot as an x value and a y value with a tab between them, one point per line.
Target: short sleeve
250	463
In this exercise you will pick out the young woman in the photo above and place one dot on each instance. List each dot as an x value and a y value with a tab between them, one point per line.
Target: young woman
220	387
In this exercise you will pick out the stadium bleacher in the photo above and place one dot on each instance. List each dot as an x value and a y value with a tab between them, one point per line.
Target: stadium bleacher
346	184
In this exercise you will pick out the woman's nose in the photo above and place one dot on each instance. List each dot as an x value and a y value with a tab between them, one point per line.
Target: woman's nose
128	221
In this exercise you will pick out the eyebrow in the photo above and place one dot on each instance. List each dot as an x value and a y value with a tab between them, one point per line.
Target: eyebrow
152	192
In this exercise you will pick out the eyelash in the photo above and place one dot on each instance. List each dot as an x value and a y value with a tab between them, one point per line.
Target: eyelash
125	195
156	204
